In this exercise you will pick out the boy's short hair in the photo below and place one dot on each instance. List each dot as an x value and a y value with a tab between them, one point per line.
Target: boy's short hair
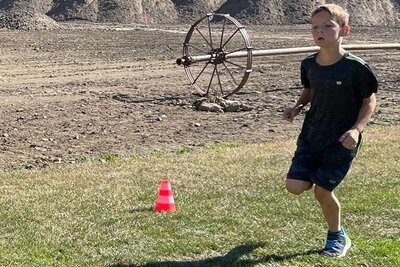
338	13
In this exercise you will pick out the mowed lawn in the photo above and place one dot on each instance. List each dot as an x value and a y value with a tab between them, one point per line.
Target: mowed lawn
232	210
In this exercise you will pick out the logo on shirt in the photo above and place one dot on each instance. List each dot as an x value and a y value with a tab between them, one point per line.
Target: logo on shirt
339	82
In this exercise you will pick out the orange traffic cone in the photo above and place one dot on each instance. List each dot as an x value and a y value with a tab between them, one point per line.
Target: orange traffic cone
165	200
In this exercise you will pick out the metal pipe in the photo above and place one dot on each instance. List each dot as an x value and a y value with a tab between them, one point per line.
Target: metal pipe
285	51
299	50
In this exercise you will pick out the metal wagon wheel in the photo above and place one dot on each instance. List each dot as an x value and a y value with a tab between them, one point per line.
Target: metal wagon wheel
206	51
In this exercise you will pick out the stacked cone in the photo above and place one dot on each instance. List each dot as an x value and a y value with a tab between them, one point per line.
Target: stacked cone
165	200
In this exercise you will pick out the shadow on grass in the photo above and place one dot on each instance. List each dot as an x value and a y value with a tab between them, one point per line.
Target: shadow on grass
142	209
232	258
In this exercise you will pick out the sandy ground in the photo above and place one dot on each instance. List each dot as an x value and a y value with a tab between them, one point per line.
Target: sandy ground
89	91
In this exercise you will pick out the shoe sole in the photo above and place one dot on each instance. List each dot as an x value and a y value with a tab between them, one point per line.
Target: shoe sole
346	248
344	252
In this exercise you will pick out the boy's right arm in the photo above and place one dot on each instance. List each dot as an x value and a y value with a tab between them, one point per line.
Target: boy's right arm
303	100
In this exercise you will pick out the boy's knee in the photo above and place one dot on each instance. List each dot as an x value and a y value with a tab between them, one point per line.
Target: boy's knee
294	190
297	187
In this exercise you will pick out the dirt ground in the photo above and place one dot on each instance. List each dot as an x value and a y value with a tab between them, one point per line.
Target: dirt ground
90	91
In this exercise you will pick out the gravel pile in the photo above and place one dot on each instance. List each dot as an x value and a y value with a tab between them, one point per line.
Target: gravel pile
26	21
42	14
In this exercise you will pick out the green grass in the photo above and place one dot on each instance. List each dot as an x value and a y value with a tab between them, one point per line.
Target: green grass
232	210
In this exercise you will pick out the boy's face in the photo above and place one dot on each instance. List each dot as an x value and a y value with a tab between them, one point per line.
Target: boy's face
326	31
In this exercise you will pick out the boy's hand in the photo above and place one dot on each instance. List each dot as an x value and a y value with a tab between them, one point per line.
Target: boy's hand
290	113
350	139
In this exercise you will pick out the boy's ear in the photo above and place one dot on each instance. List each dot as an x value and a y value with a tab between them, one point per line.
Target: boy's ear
345	30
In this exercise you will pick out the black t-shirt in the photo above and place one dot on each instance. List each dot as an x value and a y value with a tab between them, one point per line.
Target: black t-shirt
337	94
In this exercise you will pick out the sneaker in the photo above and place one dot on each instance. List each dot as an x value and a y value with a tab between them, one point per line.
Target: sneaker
337	244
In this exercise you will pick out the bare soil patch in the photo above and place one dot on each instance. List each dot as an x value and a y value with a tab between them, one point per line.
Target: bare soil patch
87	91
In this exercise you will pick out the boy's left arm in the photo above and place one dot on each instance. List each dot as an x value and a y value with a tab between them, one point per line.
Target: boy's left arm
350	138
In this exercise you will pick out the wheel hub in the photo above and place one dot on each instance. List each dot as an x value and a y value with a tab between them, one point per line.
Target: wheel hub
217	56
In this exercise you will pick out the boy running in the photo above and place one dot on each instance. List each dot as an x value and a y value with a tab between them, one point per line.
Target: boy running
340	88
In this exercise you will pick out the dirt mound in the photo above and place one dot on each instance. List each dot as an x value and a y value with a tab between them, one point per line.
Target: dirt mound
269	11
148	12
362	12
26	15
190	10
30	14
373	13
23	20
41	14
77	10
121	11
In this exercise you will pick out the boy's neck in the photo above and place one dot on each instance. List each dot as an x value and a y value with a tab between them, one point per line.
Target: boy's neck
330	55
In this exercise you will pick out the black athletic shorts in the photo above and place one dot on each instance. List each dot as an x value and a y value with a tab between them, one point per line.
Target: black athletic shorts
326	167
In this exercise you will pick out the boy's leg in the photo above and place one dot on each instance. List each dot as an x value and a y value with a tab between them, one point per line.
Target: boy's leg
336	162
337	241
297	187
330	207
335	165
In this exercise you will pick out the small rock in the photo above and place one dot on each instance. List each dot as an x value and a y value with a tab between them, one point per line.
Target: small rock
211	107
246	107
231	105
29	166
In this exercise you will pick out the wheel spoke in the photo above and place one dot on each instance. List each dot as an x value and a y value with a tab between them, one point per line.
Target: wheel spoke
237	65
222	34
233	78
198	49
219	82
211	79
201	72
209	33
237	50
205	39
233	34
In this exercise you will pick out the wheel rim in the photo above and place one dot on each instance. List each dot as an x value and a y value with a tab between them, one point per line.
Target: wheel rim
216	36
